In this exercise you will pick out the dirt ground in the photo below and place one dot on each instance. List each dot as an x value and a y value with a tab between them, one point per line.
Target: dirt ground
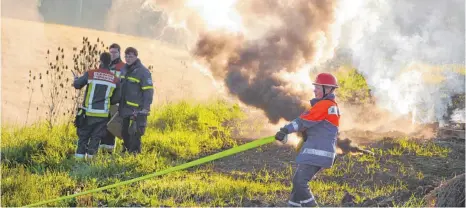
276	156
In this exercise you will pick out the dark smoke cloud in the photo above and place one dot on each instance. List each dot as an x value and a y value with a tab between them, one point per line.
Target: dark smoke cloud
250	68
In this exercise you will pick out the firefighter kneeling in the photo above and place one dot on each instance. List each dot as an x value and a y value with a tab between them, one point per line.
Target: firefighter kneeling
91	120
320	126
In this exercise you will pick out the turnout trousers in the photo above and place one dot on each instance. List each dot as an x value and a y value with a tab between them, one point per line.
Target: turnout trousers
301	195
131	142
90	133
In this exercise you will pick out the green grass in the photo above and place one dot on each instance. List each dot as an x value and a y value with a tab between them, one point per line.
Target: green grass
177	133
20	186
37	164
413	201
418	148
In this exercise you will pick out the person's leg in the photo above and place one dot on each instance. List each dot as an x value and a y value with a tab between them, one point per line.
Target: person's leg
140	128
107	144
301	194
98	132
125	134
135	144
83	132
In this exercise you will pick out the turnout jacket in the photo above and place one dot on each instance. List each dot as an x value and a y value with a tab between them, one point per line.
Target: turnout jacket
103	90
320	127
137	89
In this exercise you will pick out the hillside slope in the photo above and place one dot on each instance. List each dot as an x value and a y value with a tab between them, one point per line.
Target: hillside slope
25	44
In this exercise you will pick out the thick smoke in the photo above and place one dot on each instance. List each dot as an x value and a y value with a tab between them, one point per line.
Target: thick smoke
410	53
251	69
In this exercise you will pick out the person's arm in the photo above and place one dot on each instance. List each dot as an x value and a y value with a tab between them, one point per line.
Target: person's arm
81	81
315	115
147	90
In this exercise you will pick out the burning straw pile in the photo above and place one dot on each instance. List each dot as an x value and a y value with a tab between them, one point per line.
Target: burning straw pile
449	194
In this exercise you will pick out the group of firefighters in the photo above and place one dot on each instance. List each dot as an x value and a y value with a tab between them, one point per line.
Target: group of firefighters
129	85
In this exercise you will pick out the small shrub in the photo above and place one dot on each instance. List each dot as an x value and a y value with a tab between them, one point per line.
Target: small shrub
353	87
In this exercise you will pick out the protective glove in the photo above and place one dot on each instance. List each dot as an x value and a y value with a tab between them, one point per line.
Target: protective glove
80	117
282	135
141	122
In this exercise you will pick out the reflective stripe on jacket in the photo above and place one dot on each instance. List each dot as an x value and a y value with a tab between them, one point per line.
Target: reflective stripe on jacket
137	89
320	125
102	90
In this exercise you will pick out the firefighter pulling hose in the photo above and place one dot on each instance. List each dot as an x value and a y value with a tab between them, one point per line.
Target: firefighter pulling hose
319	126
317	150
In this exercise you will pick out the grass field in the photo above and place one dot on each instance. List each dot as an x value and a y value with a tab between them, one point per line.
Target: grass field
38	165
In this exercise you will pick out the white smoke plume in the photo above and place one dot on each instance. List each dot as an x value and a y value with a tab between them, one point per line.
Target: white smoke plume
458	116
411	52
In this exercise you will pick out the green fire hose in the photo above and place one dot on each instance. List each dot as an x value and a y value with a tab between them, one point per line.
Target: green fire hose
232	151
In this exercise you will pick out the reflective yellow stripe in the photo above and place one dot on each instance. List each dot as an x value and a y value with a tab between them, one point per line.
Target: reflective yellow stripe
122	76
147	87
89	90
103	115
132	104
133	79
110	98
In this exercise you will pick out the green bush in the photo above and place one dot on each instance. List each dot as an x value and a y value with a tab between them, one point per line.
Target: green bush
353	87
217	115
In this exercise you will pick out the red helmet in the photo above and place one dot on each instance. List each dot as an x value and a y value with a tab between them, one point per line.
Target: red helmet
326	79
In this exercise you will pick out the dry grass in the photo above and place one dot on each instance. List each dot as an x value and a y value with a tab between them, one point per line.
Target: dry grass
22	51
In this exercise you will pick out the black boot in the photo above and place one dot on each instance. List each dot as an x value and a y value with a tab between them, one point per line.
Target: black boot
312	203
